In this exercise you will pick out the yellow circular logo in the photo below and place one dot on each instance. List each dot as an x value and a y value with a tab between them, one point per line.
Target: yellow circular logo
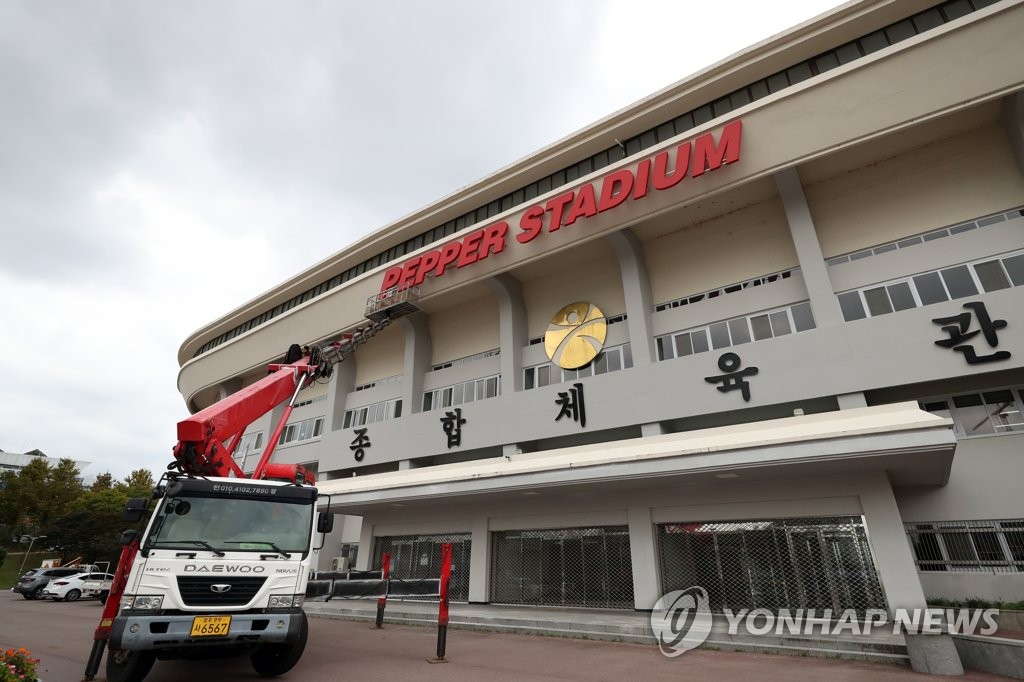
576	335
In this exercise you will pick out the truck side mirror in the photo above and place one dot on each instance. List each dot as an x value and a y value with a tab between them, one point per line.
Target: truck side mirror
325	524
128	537
134	510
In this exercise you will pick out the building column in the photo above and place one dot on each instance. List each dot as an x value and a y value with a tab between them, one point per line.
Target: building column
363	562
934	654
480	562
643	554
1013	122
512	329
417	361
824	304
636	288
342	383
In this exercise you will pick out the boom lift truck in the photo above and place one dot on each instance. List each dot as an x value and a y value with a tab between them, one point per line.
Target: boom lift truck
223	563
224	560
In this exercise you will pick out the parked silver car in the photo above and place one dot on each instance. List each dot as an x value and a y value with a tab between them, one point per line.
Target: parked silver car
31	584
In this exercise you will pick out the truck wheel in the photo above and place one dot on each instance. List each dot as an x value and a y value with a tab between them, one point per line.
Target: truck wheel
72	595
271	660
129	666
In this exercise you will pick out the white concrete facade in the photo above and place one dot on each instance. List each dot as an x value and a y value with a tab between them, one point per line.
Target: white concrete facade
864	180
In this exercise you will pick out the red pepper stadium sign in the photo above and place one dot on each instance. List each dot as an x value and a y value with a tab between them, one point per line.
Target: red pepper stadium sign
664	171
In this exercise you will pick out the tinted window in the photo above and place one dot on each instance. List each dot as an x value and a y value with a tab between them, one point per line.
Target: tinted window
958	281
930	289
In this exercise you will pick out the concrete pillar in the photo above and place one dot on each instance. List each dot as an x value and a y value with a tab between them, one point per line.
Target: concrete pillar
932	654
417	361
365	557
824	304
636	287
480	562
643	553
342	383
512	330
1013	122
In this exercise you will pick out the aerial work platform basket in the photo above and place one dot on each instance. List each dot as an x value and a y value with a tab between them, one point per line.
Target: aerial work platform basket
393	303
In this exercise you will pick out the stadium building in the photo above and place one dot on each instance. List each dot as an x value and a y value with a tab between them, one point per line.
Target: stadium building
761	332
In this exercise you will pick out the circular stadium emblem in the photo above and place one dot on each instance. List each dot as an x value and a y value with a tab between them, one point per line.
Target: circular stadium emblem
576	335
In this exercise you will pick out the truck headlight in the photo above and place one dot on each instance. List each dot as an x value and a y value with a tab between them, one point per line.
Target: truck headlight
286	601
147	602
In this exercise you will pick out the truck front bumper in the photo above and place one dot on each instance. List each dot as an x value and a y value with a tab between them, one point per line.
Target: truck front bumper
147	632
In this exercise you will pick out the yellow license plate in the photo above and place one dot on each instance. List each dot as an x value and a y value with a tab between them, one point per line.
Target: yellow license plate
210	626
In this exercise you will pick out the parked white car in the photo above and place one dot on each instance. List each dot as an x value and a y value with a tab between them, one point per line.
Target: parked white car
72	587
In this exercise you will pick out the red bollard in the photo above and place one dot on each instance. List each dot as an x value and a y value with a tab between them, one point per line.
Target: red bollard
385	564
442	609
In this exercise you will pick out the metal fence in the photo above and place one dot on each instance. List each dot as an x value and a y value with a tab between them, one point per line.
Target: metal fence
969	546
588	567
810	563
419	556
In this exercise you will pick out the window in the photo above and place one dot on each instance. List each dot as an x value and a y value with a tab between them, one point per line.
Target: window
307	429
608	360
461	393
249	443
933	287
980	414
736	331
369	414
969	546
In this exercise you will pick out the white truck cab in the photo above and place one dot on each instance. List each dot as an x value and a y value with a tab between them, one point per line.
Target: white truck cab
223	564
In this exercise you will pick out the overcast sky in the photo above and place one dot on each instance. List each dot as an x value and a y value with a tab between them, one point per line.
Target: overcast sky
163	162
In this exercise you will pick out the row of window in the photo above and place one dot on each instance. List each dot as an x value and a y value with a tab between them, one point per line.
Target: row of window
969	546
937	286
739	330
908	242
731	289
465	392
608	360
980	414
369	414
470	358
317	399
379	382
307	429
844	54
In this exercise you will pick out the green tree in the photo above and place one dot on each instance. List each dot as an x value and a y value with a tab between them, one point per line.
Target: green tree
38	494
91	528
139	483
104	481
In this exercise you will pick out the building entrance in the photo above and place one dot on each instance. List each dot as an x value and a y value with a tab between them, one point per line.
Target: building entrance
809	563
588	567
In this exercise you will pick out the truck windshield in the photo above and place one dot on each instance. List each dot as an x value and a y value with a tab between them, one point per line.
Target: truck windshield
231	524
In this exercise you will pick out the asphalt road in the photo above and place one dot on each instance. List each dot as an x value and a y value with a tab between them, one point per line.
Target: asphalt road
60	634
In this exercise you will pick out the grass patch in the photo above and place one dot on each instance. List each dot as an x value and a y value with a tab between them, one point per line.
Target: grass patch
11	570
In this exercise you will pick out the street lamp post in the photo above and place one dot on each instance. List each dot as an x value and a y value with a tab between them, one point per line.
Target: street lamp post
32	539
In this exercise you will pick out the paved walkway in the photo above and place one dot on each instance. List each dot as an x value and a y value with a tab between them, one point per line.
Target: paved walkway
500	657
